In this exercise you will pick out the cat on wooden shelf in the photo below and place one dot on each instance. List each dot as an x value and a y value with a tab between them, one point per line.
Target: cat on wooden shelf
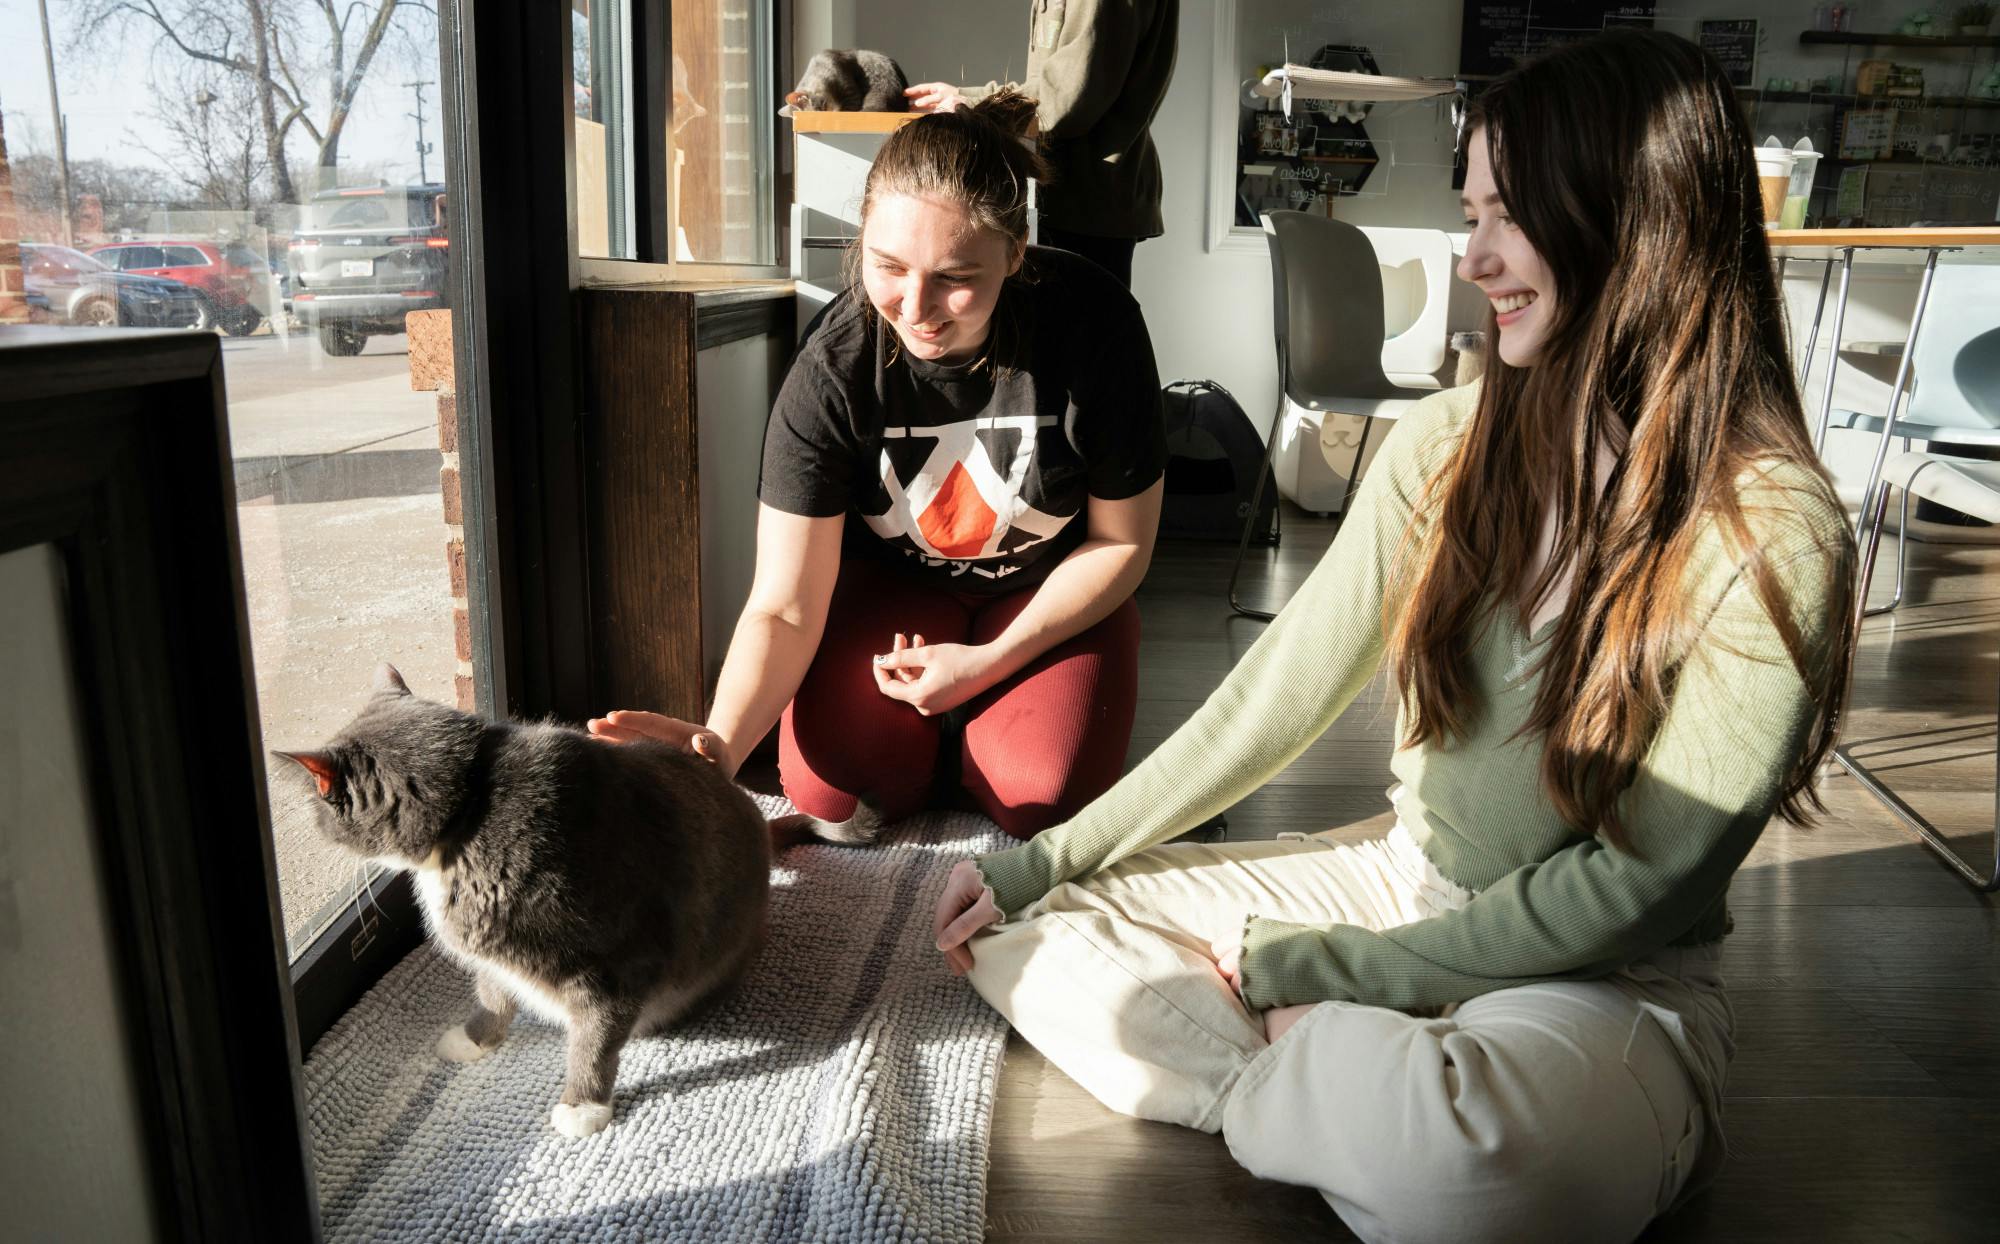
612	888
849	81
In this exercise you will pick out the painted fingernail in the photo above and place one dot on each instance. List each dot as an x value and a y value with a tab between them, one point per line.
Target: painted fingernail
880	658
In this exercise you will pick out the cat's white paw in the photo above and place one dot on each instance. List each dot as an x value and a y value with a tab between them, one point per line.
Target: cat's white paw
583	1120
457	1046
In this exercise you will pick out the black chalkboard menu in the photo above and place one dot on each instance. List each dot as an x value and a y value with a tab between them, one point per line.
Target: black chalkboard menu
1496	35
1734	43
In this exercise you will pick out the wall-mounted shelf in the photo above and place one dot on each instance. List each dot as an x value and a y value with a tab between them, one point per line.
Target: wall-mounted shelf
806	122
1906	102
1854	38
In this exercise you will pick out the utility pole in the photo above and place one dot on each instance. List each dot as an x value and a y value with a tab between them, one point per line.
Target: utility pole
62	131
423	148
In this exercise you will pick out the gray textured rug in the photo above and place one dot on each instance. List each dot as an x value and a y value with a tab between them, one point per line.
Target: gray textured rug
845	1092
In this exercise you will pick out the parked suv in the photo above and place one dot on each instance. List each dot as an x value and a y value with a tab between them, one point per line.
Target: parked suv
230	280
74	288
364	257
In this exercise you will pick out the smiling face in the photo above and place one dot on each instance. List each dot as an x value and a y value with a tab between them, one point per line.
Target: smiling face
1505	266
933	275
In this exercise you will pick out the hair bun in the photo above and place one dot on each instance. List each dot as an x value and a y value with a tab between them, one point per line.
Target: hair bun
1008	110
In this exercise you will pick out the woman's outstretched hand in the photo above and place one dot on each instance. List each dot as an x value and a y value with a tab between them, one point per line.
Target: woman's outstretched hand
931	678
933	97
627	725
965	907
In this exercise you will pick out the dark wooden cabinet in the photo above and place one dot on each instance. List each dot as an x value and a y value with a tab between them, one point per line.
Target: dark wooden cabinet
678	382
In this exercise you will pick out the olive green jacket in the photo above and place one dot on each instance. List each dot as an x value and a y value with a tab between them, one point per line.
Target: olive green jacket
1099	69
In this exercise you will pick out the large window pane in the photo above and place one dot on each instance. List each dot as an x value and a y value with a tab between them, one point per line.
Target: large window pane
601	71
307	233
724	109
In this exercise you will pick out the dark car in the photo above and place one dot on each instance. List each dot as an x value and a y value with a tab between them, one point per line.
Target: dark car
231	278
80	290
364	257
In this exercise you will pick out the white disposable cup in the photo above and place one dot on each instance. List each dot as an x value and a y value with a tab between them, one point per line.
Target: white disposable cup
1774	176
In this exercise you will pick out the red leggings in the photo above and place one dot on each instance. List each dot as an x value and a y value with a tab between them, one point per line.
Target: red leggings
1037	747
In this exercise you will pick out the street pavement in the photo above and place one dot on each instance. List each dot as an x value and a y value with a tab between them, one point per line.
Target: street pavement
343	538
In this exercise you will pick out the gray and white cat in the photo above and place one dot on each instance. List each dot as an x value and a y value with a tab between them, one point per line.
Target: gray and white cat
856	81
608	887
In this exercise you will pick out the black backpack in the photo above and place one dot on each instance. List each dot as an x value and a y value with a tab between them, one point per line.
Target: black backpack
1213	457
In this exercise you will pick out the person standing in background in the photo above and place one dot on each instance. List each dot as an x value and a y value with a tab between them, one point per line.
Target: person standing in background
1099	69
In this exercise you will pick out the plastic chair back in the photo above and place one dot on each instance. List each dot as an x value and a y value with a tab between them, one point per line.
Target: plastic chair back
1326	309
1958	351
1415	265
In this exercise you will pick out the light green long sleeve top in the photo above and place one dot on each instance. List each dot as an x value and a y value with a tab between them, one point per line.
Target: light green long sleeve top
1550	903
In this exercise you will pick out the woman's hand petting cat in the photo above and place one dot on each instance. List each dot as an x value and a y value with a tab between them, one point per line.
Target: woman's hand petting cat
965	907
933	97
932	678
629	725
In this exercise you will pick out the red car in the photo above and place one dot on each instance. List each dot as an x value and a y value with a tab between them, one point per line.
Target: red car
231	280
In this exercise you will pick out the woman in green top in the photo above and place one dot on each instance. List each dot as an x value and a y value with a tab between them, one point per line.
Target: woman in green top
1615	588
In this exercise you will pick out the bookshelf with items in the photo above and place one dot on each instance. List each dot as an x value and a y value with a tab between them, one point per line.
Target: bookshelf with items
1911	135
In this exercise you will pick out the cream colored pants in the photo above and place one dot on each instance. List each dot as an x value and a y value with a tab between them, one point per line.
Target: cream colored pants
1565	1111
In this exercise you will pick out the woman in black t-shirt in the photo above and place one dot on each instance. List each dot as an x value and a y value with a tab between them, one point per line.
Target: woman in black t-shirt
961	486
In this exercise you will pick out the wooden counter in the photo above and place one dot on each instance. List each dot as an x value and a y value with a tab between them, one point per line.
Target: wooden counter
1827	243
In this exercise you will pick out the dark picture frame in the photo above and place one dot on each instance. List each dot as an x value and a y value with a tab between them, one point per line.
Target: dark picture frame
118	460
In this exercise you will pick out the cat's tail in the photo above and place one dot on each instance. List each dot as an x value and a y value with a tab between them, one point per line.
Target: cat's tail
860	830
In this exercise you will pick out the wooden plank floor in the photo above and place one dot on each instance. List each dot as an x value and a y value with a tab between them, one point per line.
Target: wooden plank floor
1864	1104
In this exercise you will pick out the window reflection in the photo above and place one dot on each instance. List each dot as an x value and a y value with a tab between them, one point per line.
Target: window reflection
316	240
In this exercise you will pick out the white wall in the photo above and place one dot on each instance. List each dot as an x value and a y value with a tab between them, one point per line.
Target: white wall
735	385
963	41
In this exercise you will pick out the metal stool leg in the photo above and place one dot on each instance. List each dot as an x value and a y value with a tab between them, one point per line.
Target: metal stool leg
1902	546
1250	519
1812	337
1988	883
1833	347
1928	833
1897	395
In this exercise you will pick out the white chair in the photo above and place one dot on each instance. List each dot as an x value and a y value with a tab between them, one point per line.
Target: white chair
1416	267
1955	400
1317	456
1329	324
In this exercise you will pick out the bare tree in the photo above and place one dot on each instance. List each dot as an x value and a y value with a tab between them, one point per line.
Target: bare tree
218	153
127	195
282	49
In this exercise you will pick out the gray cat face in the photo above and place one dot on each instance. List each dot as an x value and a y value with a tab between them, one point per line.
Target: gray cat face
388	784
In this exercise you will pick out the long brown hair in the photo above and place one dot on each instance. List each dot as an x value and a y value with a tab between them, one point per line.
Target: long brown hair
1625	162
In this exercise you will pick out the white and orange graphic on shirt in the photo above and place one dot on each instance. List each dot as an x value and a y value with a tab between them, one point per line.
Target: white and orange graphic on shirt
961	506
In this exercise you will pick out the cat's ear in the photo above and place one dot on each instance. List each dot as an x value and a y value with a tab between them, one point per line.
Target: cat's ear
324	768
387	679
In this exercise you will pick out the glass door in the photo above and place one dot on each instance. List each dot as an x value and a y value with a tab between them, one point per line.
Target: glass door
303	212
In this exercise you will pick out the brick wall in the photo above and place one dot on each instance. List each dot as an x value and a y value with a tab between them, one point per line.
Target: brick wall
13	288
431	371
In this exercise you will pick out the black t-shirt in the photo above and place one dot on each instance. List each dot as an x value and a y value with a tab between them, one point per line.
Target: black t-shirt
974	476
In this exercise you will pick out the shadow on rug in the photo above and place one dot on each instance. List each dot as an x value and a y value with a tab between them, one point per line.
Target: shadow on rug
845	1092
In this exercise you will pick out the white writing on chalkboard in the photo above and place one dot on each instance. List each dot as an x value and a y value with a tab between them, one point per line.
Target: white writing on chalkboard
1734	43
1494	36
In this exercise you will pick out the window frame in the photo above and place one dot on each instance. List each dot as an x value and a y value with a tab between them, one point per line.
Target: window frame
651	24
513	220
515	276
